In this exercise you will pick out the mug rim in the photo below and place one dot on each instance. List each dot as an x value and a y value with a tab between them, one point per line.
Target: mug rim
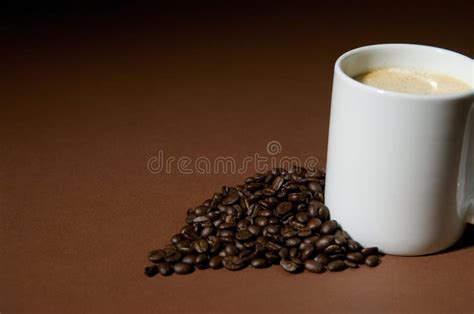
349	80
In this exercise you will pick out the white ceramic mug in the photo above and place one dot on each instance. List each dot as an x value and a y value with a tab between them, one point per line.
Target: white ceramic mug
400	167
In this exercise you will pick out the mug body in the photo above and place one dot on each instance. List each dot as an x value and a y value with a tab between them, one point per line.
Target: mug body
394	158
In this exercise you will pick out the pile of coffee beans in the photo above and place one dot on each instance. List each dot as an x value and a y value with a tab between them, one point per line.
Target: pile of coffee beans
277	217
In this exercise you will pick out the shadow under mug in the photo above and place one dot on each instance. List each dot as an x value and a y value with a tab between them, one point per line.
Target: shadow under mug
400	167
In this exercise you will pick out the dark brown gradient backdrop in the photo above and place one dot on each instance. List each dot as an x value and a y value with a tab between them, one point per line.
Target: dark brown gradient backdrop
90	93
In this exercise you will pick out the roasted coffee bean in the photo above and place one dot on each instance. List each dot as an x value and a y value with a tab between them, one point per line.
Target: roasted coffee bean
227	233
272	257
245	253
293	197
212	239
287	218
314	223
260	263
189	233
151	271
189	219
243	224
329	227
293	188
249	245
340	240
165	269
283	208
336	265
296	225
205	232
352	245
369	251
351	264
277	183
183	268
213	215
324	242
323	259
202	261
261	221
302	217
201	210
333	248
268	191
273	220
230	211
372	260
265	213
243	235
189	259
231	198
201	246
201	219
184	247
293	242
315	187
288	232
156	256
305	195
216	262
323	213
255	230
355	257
177	238
252	210
173	256
307	253
312	239
284	253
313	266
337	256
272	246
294	252
304	232
272	229
244	203
231	250
303	245
233	263
312	212
291	266
301	207
218	222
272	201
214	248
261	241
264	204
253	186
229	221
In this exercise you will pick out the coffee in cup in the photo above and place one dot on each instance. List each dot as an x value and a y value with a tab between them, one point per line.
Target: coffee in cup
412	81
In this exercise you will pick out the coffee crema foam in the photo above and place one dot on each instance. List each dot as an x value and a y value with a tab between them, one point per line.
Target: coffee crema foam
412	81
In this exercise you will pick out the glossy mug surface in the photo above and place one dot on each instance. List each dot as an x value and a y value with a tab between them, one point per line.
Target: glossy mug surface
400	166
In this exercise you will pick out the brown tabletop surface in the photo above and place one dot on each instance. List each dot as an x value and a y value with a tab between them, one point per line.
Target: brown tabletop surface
89	98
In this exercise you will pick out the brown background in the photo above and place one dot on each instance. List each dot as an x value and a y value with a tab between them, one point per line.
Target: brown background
90	93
